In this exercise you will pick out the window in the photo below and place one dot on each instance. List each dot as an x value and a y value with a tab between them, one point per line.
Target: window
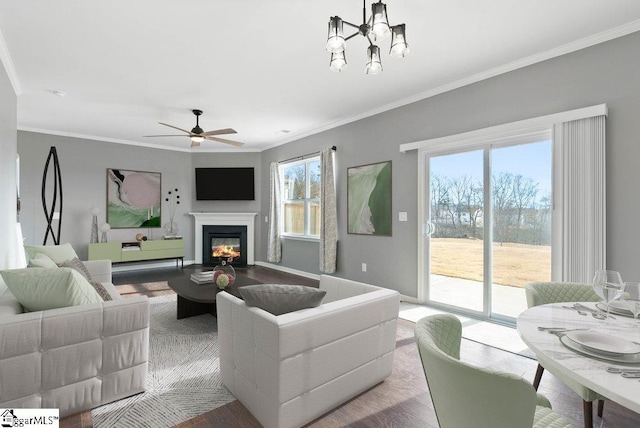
301	198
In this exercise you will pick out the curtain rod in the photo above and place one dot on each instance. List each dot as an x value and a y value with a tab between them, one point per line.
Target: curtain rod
334	148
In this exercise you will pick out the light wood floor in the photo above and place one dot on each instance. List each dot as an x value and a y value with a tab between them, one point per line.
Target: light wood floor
401	401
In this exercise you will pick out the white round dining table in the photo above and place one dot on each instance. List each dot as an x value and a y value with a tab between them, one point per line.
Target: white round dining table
589	371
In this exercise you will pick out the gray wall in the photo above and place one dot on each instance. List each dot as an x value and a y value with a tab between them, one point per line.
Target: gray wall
8	215
83	165
606	73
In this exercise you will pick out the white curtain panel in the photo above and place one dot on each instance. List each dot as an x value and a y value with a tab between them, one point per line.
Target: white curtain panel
274	251
328	215
583	198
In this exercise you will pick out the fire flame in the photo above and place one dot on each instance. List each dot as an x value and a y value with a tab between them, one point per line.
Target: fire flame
225	251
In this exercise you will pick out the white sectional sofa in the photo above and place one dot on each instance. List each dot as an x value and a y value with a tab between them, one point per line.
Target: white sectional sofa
290	369
73	358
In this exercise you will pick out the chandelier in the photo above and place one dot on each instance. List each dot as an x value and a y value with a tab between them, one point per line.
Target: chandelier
376	28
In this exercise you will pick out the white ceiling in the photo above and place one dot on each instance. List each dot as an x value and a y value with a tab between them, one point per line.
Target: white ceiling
260	66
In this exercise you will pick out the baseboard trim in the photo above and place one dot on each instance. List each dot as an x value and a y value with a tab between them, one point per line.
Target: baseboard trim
409	299
288	270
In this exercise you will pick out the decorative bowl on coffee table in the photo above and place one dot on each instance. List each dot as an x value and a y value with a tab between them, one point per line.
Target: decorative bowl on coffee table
224	275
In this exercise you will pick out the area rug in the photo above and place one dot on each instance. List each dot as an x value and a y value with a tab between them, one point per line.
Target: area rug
184	373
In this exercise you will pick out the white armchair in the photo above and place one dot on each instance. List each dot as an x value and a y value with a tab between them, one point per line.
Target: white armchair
290	369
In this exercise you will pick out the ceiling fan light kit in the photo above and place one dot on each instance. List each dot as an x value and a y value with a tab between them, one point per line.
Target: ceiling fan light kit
196	139
197	135
376	28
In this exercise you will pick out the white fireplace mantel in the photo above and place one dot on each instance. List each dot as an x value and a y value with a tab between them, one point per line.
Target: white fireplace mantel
225	219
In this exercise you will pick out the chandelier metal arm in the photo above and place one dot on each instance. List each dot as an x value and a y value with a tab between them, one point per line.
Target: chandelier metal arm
370	41
357	33
350	24
357	27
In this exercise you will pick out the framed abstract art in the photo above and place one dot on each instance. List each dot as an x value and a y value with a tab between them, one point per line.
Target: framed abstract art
133	198
369	199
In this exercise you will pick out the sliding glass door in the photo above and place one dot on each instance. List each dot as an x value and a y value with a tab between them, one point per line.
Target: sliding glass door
489	226
521	218
456	202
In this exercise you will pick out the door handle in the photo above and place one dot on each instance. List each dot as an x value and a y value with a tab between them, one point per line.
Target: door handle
429	228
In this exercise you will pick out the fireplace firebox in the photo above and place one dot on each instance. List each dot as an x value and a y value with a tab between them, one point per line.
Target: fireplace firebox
227	243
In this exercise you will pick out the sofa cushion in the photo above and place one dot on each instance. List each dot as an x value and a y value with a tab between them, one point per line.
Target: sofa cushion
281	298
9	305
41	260
39	289
77	264
57	253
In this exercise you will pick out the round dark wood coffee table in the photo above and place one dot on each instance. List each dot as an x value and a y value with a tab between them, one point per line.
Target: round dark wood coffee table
197	299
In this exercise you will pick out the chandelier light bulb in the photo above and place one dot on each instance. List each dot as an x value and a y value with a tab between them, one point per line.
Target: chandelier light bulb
399	46
374	65
338	61
380	24
335	38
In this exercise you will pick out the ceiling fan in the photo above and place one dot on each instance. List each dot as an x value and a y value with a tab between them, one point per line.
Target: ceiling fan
197	135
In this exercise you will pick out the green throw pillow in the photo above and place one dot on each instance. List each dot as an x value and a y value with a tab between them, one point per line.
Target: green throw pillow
41	260
279	299
38	289
79	265
57	253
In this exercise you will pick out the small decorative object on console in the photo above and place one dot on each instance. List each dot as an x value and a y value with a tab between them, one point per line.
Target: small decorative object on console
104	228
94	224
224	275
171	228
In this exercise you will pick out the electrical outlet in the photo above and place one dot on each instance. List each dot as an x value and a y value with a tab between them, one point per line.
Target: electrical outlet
266	219
364	267
402	216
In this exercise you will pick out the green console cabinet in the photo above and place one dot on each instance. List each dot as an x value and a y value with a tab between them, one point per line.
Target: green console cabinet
120	252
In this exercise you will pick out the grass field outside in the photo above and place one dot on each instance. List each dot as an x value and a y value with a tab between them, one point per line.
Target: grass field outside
513	264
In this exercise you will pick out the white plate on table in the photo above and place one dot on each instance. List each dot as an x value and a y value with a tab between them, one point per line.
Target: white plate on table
616	308
624	359
603	343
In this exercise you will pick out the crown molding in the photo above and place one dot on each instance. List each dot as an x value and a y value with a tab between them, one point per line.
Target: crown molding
5	57
130	142
576	45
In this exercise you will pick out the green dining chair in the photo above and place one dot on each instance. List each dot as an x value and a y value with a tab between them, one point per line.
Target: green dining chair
467	396
542	293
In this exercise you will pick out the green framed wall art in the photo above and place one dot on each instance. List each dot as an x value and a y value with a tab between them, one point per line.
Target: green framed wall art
369	199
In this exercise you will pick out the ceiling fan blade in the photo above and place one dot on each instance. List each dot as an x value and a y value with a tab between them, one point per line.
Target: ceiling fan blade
175	127
219	132
195	144
222	140
175	135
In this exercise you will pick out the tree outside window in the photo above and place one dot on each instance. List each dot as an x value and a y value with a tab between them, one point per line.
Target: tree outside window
301	197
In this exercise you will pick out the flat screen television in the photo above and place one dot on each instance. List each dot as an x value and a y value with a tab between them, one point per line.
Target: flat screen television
225	184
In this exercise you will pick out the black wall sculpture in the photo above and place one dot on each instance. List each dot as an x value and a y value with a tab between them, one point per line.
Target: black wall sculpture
57	196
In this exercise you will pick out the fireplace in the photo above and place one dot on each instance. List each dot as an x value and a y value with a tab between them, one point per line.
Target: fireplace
228	243
223	219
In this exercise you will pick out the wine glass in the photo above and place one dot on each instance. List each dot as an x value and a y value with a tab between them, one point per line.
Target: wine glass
631	299
608	285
